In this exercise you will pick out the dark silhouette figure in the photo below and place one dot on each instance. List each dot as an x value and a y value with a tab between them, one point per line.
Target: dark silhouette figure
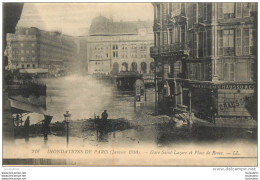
27	123
45	126
104	115
27	126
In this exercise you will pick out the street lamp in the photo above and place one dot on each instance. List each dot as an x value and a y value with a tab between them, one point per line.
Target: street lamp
67	119
189	107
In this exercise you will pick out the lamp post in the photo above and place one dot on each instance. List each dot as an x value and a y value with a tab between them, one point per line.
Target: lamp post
67	119
190	107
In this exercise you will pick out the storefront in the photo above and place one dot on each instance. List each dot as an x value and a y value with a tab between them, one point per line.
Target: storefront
215	101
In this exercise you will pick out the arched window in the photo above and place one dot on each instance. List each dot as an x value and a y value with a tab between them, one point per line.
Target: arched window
124	66
152	67
115	69
134	66
143	67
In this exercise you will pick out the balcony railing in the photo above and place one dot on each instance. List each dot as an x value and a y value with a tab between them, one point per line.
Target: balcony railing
171	49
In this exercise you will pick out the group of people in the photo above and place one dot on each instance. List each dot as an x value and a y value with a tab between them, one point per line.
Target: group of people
104	116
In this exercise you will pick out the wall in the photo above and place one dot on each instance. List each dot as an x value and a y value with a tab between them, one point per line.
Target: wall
233	102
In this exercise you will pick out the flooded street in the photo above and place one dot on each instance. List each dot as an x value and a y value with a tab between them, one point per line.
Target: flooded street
84	96
140	131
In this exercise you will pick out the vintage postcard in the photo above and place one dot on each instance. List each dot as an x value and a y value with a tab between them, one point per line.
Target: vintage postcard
130	84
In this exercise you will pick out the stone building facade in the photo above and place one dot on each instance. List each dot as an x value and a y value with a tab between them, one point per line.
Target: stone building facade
205	56
119	46
32	48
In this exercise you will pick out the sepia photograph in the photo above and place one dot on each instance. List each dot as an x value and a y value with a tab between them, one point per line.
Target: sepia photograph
130	84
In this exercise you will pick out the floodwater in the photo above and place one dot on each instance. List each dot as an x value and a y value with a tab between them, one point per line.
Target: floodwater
84	96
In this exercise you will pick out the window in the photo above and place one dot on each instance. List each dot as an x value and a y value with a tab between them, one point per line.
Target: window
232	72
158	11
202	72
33	51
22	58
33	58
176	34
228	38
220	10
246	12
115	51
193	71
197	71
246	42
21	44
252	69
229	10
238	9
220	43
22	65
238	42
28	65
124	47
22	51
195	13
115	54
228	42
170	8
170	36
33	65
133	46
229	72
205	43
183	38
205	11
33	44
158	39
195	45
200	44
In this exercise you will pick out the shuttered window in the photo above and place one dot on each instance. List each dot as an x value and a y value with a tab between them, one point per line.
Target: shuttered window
246	11
195	45
202	72
205	13
238	10
246	41
220	10
220	43
238	42
200	44
205	43
232	72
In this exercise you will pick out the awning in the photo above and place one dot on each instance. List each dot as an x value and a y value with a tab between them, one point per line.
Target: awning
33	71
22	106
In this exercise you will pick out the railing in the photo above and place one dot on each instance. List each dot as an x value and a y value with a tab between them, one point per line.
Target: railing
171	48
20	38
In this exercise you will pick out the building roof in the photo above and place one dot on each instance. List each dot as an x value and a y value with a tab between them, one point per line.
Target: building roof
105	27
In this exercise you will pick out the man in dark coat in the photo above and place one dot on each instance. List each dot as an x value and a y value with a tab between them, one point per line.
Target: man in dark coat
104	115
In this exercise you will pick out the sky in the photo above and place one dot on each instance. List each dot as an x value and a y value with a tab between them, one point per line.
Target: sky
75	18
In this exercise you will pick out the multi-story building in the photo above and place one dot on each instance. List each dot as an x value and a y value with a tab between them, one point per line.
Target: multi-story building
205	57
32	48
119	46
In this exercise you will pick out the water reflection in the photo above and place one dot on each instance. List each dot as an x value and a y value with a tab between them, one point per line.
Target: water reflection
83	96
